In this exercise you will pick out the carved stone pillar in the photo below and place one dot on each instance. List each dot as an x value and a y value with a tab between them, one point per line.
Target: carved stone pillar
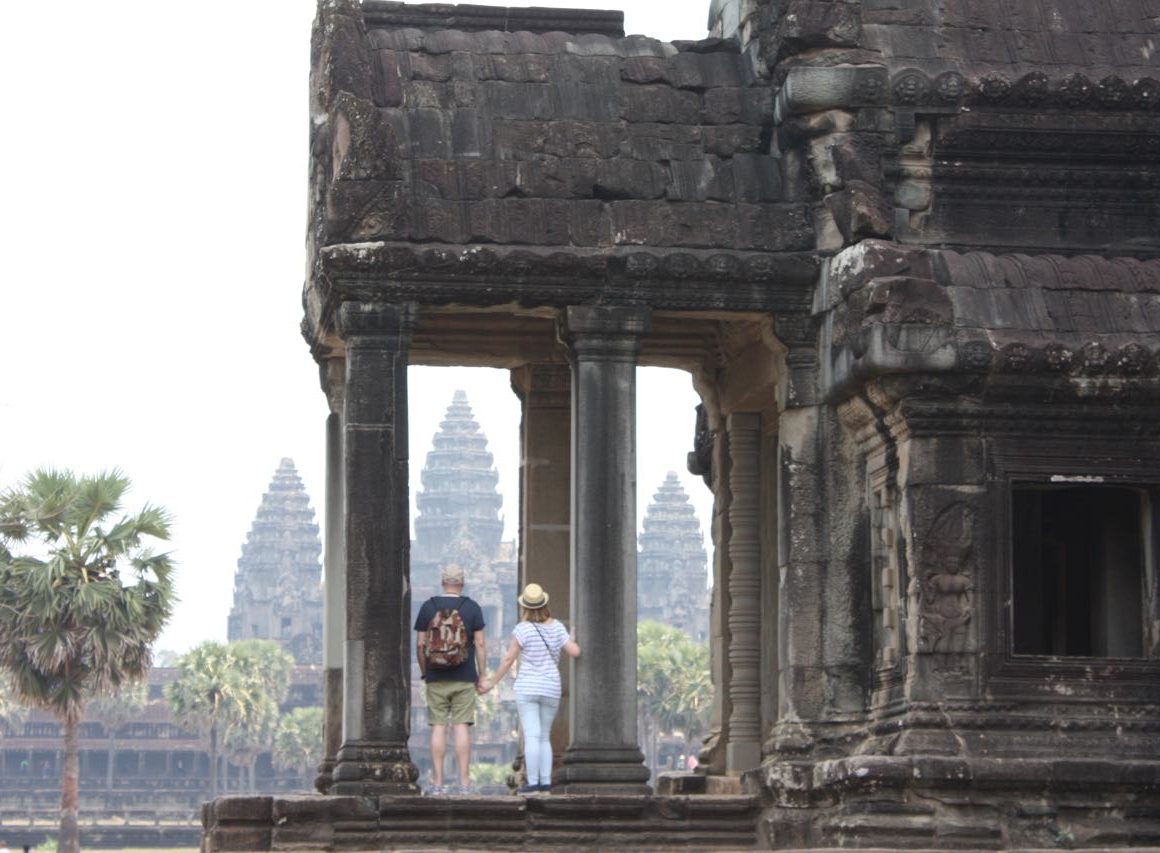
604	755
545	499
743	751
377	684
334	574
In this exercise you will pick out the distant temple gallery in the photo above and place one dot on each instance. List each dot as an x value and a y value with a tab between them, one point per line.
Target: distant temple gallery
909	255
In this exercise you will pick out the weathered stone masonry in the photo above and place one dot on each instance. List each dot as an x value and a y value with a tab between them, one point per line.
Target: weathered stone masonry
909	254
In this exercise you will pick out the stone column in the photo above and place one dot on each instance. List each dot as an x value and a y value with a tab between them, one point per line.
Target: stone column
545	499
604	756
373	758
743	749
334	605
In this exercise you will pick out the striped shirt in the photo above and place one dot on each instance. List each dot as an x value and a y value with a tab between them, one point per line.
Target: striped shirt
539	673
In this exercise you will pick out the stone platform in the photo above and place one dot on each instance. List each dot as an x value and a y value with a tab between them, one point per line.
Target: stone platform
701	822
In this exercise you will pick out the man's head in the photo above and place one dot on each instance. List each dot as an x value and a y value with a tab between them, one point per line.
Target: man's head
452	577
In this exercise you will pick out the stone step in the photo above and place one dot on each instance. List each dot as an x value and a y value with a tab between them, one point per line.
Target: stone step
703	822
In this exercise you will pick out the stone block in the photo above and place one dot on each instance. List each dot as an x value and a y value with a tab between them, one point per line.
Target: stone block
645	69
857	157
660	105
649	141
724	106
756	177
436	178
440	220
431	133
586	101
386	79
860	211
586	139
366	210
942	461
470	134
699	180
774	227
519	100
705	70
518	140
623	178
728	140
242	808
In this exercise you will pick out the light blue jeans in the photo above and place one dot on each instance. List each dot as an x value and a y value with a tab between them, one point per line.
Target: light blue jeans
536	715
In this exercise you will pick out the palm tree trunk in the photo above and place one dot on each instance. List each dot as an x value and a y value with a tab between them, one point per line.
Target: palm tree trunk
213	763
69	841
109	770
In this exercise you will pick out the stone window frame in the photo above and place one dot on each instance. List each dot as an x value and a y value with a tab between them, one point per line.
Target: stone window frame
1109	462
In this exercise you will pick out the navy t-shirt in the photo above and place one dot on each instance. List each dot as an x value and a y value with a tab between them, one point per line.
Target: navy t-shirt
472	617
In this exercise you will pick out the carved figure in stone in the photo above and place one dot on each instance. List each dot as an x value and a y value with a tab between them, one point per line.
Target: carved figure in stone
946	589
700	458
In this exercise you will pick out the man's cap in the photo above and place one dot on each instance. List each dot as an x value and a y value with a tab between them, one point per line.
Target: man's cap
452	573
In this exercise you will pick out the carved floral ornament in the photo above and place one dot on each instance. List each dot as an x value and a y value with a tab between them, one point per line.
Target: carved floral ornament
912	87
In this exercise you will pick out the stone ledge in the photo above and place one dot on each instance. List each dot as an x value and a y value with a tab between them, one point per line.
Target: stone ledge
509	823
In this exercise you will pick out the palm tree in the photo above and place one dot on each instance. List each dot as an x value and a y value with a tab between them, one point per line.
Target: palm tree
79	612
298	742
12	712
674	689
211	693
114	711
268	666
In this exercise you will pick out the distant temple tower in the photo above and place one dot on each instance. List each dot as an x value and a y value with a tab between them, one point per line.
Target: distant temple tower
671	566
277	589
458	519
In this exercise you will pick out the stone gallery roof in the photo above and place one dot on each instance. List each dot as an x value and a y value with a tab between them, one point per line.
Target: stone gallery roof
1015	37
902	307
588	143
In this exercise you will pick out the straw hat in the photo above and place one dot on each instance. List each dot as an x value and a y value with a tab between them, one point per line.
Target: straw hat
533	597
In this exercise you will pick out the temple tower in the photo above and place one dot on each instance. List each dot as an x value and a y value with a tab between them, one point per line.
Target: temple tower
671	568
277	592
458	518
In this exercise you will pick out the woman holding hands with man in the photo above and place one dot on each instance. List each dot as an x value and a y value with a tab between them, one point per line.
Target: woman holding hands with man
537	643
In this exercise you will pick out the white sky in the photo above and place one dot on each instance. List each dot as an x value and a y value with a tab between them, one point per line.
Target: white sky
151	239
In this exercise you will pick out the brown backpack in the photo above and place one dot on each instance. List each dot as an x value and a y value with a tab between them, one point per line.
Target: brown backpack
447	639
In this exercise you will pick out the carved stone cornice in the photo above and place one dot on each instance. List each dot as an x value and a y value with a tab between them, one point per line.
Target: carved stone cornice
496	275
365	322
809	89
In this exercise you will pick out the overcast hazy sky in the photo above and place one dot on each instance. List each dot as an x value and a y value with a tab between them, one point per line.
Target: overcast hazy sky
152	242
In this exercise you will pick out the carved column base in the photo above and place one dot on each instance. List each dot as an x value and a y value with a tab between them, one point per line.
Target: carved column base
742	755
374	768
601	770
325	777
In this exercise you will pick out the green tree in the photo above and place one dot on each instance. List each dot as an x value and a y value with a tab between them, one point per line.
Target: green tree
298	742
674	689
81	607
113	712
12	712
269	667
211	693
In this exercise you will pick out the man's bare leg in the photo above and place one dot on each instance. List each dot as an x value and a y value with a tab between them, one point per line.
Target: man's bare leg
438	751
462	752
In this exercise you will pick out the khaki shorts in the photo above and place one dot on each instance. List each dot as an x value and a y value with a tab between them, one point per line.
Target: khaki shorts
450	702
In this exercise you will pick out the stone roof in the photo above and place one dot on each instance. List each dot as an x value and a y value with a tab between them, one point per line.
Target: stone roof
587	140
1016	37
896	308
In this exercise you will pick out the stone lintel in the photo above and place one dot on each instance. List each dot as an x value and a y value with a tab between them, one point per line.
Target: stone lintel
473	18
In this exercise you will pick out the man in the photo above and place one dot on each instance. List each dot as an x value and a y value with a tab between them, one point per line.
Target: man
451	691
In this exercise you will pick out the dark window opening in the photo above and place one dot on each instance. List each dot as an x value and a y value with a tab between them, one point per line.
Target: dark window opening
1078	574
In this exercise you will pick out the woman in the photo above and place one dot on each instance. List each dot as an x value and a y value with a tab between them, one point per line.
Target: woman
537	641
